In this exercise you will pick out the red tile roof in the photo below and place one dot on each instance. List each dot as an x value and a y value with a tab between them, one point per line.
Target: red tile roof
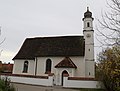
6	68
66	63
82	78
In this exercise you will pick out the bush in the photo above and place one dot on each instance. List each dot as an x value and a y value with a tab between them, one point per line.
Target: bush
5	85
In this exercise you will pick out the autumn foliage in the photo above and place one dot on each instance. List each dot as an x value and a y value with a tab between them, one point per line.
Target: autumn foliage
108	68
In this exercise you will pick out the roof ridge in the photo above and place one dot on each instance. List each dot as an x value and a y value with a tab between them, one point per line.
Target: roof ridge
42	37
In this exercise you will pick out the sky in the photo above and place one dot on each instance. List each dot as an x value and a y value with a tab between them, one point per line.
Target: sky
21	19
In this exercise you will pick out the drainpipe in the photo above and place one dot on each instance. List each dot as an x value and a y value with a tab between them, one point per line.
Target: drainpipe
36	65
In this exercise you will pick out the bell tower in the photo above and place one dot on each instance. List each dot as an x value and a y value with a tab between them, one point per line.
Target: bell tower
89	43
88	20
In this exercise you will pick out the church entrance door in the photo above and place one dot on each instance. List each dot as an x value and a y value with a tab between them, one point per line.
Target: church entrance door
62	78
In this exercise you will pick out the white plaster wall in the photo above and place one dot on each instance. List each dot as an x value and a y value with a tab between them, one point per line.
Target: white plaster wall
89	49
89	40
78	61
33	81
89	45
49	82
31	67
19	64
81	83
41	65
90	67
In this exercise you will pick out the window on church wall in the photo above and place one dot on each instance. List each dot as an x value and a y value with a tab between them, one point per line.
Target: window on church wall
48	66
25	68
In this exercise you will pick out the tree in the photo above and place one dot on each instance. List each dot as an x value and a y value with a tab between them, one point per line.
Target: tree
108	68
5	85
109	24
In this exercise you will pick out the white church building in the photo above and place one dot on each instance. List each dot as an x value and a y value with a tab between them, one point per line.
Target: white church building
71	56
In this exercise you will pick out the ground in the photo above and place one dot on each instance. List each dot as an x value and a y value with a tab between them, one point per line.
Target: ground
23	87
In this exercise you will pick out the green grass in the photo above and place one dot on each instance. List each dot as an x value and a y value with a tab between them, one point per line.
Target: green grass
84	89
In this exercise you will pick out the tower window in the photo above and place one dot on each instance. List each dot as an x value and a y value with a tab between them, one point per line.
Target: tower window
25	68
89	49
88	24
48	66
89	73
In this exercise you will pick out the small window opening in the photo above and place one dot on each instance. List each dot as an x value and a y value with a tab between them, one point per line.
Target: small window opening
89	73
89	49
88	24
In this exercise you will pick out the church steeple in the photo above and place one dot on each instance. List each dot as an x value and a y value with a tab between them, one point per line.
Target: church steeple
89	43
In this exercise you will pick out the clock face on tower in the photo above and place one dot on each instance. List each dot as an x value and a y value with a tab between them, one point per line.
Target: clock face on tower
88	35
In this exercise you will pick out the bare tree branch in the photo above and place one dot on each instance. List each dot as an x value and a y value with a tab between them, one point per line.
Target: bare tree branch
1	41
110	23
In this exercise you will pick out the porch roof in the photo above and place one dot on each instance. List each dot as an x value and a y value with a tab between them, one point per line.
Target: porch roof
66	63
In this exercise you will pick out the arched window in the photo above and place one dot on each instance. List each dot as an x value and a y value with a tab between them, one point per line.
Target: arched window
25	68
48	66
88	24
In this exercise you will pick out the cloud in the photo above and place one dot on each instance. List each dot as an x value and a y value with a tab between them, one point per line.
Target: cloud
6	56
27	18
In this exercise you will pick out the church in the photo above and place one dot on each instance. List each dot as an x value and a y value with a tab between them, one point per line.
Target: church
58	55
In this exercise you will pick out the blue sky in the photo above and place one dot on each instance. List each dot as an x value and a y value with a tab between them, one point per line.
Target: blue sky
20	19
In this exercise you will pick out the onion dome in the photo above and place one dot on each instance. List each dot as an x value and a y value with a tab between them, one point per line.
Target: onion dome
88	14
